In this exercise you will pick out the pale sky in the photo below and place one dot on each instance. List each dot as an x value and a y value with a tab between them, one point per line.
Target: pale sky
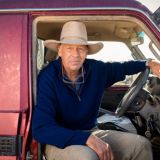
151	4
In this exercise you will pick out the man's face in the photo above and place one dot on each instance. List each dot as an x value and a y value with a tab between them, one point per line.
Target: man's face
72	56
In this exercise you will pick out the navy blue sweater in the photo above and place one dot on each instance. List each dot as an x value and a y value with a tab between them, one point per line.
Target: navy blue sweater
62	116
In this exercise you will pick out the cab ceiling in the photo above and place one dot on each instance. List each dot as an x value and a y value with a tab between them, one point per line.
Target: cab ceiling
97	30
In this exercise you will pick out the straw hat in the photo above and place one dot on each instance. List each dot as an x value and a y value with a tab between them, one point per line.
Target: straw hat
74	32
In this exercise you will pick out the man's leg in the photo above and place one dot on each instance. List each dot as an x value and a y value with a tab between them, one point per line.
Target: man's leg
74	152
126	146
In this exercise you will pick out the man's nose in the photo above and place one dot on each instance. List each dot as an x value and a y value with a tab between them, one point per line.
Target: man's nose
75	52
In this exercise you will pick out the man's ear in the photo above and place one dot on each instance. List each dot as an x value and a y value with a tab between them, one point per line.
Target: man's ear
59	48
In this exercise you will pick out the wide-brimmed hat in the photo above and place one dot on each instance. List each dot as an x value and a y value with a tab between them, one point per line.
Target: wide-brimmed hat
74	32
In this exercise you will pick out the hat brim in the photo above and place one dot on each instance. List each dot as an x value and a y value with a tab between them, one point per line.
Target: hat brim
92	47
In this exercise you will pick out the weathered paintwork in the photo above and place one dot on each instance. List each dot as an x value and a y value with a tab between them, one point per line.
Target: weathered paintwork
13	58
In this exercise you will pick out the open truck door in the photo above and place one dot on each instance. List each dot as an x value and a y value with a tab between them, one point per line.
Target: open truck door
14	84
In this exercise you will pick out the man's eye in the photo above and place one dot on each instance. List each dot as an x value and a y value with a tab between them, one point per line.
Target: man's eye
68	49
81	49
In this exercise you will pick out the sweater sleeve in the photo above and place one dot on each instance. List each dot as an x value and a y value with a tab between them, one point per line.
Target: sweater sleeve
45	127
117	71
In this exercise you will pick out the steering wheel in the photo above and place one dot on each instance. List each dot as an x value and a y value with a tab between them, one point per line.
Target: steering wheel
132	92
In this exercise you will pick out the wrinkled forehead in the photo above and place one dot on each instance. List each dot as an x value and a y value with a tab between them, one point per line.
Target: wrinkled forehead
73	45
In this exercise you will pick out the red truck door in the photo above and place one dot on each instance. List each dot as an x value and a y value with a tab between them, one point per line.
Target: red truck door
14	105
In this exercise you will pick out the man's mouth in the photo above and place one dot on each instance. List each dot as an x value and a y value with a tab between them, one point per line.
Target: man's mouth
75	62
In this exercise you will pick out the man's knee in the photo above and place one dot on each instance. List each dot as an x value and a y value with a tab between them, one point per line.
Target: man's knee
80	152
74	152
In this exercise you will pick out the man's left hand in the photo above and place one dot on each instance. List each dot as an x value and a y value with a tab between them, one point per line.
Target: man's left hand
155	67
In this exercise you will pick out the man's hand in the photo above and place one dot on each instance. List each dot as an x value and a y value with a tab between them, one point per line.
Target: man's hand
155	67
102	149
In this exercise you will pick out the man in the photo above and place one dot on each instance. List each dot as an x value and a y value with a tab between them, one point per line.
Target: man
68	98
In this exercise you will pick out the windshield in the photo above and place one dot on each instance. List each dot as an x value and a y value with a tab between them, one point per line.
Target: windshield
152	5
118	51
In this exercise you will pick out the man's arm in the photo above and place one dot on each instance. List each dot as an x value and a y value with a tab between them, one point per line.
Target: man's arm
116	71
113	72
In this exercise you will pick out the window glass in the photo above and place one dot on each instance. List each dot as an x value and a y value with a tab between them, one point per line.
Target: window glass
115	51
145	48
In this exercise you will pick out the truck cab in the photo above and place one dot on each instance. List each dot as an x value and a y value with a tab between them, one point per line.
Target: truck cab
24	25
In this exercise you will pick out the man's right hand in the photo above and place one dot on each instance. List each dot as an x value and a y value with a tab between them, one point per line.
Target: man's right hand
102	149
